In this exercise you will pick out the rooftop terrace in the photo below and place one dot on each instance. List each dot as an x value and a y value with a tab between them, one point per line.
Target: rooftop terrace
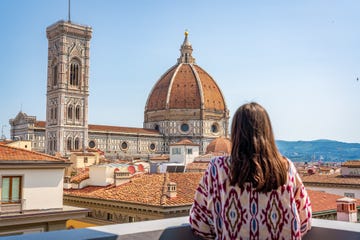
178	228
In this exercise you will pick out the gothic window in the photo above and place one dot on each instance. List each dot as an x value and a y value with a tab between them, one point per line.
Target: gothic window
51	114
70	112
77	143
50	145
69	143
55	75
74	74
55	113
77	113
54	147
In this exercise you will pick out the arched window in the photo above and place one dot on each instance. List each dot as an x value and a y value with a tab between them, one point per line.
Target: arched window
74	74
77	113
55	113
55	75
51	114
54	147
51	144
69	143
70	112
77	143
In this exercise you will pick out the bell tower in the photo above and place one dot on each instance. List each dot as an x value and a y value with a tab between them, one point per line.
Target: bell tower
67	87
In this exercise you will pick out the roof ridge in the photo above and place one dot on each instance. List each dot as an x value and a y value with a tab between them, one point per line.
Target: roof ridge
163	196
33	152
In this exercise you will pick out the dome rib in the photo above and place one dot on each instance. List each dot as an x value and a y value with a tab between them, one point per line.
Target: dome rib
167	104
199	86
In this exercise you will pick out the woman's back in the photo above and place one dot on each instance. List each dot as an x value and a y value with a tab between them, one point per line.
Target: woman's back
223	211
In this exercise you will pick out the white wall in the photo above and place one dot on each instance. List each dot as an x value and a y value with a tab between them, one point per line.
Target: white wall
184	157
350	171
101	175
41	188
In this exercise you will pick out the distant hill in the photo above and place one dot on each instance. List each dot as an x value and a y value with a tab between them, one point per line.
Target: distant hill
324	150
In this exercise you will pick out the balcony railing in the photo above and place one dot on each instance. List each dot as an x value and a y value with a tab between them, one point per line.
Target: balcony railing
178	228
7	207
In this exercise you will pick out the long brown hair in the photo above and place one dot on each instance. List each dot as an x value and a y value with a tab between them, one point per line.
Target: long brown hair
254	155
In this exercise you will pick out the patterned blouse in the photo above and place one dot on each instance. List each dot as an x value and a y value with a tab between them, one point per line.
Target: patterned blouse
222	211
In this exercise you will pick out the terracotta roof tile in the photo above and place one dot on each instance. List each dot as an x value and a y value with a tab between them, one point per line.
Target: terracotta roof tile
106	128
186	142
40	124
131	130
330	179
8	154
322	201
81	175
352	163
149	185
219	145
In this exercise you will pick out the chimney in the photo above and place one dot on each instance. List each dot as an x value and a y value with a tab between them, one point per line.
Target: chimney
171	190
121	177
346	209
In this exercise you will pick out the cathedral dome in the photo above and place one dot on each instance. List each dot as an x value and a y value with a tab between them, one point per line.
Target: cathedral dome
186	102
219	145
185	86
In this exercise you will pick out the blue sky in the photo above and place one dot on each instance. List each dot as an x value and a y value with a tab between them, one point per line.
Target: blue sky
299	59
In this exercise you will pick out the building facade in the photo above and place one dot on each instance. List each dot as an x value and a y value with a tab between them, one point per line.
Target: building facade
31	186
185	102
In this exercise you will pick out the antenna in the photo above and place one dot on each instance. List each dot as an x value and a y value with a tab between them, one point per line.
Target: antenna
69	18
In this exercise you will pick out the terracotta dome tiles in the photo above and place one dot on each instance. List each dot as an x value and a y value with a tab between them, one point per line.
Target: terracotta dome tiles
157	99
185	92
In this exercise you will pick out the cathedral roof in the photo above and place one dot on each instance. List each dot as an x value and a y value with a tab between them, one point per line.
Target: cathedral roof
219	145
186	86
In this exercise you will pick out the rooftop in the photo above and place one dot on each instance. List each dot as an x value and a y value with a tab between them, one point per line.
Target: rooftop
149	185
11	154
330	179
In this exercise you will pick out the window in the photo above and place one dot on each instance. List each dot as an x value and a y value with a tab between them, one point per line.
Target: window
77	113
176	151
131	219
77	143
55	75
69	143
124	145
214	128
184	127
55	113
92	144
350	195
11	189
85	160
152	146
109	217
54	143
74	74
70	112
189	151
157	127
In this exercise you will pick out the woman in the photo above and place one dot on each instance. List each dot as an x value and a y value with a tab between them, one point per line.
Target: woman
254	194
